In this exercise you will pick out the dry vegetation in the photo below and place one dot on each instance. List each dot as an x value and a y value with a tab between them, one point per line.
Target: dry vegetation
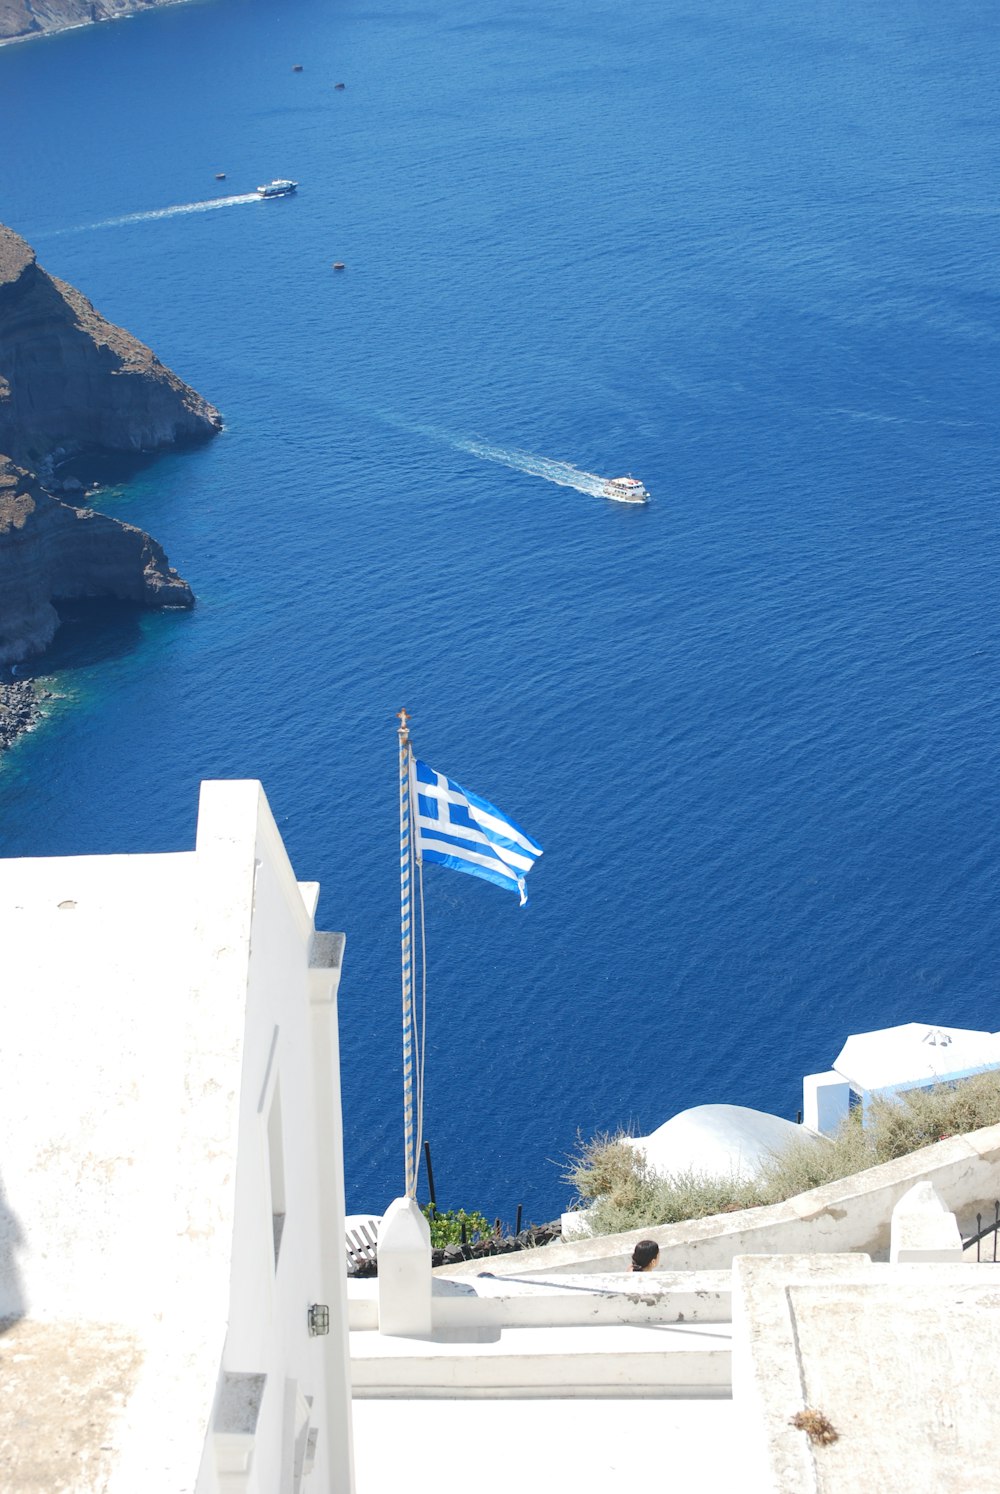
817	1427
626	1194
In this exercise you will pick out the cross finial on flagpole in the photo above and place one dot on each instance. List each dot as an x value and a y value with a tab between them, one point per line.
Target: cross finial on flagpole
404	724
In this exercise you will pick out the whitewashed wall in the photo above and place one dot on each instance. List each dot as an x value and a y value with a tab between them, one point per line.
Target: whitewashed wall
154	1005
292	1167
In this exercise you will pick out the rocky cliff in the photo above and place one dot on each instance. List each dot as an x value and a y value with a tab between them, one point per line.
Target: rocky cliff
50	552
22	18
70	380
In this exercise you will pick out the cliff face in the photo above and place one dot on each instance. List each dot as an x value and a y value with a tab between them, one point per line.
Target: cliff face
69	382
50	552
70	379
21	18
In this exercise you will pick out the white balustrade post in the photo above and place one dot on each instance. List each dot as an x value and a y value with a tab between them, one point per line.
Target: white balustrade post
922	1228
404	1271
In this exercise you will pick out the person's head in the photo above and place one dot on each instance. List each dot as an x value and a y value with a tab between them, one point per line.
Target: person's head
645	1255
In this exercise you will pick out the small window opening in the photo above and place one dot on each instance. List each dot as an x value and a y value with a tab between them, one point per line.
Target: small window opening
276	1165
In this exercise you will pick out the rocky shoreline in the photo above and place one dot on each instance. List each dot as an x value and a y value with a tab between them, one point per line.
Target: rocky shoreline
20	709
20	20
73	386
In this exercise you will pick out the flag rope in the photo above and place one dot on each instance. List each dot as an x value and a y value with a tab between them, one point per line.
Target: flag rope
406	953
423	1009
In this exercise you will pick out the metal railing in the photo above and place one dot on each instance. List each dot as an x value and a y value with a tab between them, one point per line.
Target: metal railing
983	1231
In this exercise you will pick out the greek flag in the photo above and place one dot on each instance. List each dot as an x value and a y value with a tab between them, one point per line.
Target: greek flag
457	828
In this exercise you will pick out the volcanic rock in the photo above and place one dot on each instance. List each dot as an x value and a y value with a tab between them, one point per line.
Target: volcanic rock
51	552
71	381
23	18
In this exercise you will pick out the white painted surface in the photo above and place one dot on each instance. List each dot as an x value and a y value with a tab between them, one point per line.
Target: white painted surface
324	975
404	1270
923	1229
591	1447
826	1101
648	1359
163	1003
718	1141
537	1301
898	1358
915	1053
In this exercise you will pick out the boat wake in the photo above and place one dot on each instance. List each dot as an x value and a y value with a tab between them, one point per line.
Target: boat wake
562	473
178	210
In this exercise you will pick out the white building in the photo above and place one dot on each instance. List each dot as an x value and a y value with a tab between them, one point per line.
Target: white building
172	1181
172	1225
891	1060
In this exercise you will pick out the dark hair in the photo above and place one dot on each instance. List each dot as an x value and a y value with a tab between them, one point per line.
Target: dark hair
644	1254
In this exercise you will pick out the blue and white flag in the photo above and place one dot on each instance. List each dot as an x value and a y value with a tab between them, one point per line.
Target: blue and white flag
459	829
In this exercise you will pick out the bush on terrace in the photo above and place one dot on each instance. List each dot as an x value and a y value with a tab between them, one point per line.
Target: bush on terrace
625	1192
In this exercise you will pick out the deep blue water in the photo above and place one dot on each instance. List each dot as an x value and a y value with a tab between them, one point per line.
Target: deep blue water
744	250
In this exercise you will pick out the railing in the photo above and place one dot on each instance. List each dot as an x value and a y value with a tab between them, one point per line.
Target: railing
362	1250
983	1231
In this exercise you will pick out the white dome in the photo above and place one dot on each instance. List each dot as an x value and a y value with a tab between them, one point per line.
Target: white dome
718	1141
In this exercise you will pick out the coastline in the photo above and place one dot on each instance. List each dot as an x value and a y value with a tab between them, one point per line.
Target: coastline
20	709
26	36
80	23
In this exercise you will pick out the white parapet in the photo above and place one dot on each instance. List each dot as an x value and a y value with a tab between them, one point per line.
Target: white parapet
404	1271
851	1376
849	1214
923	1229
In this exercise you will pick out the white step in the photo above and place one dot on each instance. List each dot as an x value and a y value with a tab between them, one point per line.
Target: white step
654	1359
578	1446
535	1300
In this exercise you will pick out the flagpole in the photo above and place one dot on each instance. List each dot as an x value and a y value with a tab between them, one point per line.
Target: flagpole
406	950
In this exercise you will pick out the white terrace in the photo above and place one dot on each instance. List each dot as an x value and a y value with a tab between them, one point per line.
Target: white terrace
558	1360
172	1251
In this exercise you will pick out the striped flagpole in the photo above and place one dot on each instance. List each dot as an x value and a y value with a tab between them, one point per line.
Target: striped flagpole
406	941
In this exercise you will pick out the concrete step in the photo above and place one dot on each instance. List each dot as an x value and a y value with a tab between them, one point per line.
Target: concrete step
534	1300
652	1359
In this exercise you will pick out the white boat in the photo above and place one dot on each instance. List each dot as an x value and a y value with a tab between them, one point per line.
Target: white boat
277	188
625	490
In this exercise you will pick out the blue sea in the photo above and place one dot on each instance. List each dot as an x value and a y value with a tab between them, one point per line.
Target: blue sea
744	250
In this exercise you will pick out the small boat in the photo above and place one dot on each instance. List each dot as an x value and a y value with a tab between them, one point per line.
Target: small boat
338	264
340	85
296	67
220	176
278	188
625	490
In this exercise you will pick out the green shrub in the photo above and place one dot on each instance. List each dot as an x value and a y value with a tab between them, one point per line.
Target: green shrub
625	1193
446	1227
